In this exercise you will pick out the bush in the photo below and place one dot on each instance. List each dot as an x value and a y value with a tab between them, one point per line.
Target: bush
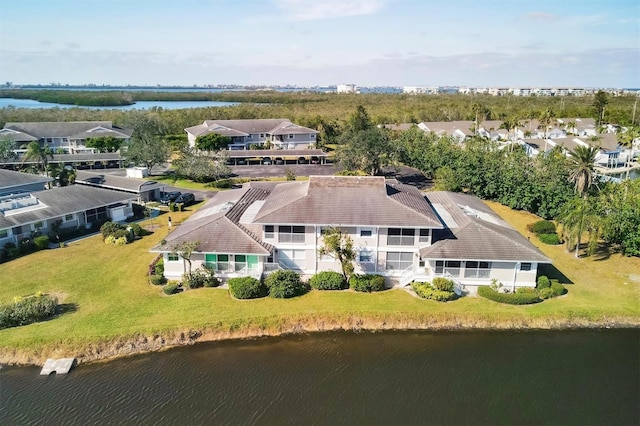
28	310
172	206
543	282
558	289
284	284
426	291
158	268
246	288
221	184
328	280
203	277
137	229
543	227
518	298
551	239
442	284
171	288
157	279
112	228
545	293
26	246
41	242
367	282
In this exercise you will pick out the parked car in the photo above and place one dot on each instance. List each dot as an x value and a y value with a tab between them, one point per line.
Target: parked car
279	160
315	160
186	199
302	160
266	161
170	197
241	162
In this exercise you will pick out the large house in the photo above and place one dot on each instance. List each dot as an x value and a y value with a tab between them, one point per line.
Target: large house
397	232
27	209
279	133
68	137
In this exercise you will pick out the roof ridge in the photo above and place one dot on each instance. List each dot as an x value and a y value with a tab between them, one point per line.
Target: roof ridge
489	226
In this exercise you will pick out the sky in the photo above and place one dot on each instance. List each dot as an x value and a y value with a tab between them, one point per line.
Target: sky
508	43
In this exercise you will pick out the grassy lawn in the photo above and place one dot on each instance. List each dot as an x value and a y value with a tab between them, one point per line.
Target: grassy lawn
106	297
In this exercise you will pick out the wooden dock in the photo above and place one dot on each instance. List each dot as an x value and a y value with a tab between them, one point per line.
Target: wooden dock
58	366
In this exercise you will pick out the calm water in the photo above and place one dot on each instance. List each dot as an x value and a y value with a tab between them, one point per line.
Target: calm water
29	103
539	377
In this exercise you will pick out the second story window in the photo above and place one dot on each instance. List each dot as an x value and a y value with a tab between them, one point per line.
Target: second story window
291	234
401	237
268	232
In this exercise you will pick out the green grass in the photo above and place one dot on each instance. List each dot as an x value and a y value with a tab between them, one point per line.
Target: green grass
107	297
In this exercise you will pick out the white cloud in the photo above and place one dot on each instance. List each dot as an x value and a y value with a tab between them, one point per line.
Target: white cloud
541	16
308	10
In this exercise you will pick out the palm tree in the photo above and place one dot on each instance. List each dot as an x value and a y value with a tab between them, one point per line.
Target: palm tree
626	139
545	119
41	155
582	160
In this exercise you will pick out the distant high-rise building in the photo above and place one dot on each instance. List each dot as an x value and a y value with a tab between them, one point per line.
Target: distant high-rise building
347	88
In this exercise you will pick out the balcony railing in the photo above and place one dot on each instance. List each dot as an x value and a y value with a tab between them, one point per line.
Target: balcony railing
291	238
393	240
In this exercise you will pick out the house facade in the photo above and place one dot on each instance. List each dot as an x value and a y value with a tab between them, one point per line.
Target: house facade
397	232
278	133
62	137
25	213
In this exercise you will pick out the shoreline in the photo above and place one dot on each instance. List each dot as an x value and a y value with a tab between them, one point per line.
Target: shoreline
119	347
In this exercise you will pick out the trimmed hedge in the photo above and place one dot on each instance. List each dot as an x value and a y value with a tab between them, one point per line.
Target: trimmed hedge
41	242
27	310
328	280
550	239
558	289
426	291
285	284
246	288
171	288
518	298
157	279
367	282
443	284
543	227
543	282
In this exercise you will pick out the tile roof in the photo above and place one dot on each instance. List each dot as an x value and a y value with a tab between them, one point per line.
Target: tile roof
109	181
70	129
475	232
347	200
274	126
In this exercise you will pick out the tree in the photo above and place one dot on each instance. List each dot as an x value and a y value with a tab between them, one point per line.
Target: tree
340	246
40	154
6	150
480	112
201	167
545	119
185	250
212	142
359	120
626	139
104	143
600	101
63	174
367	150
511	124
148	152
582	160
619	204
577	217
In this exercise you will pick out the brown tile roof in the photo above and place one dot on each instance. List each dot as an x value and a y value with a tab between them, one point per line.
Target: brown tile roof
475	232
347	200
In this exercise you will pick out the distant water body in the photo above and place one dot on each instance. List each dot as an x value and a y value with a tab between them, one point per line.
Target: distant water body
570	377
30	103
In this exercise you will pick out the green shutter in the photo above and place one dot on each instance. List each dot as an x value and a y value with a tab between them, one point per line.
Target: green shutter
252	262
210	258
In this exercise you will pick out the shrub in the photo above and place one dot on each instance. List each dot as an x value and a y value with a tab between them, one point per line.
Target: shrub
543	227
551	239
157	279
221	184
170	288
137	229
172	206
366	282
545	293
543	282
203	277
41	242
111	228
246	288
524	298
328	280
120	241
558	289
110	240
526	290
158	268
26	246
442	284
27	310
426	291
284	284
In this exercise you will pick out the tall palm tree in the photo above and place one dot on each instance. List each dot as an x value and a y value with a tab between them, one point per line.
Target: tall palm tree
626	139
545	119
40	154
582	160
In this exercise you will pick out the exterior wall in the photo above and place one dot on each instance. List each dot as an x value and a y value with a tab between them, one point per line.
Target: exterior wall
507	273
174	270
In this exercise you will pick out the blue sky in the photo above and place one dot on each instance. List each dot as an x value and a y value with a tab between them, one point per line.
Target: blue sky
322	42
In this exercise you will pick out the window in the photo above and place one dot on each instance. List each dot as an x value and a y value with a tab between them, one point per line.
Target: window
312	136
365	256
4	233
477	269
424	236
401	237
268	231
292	259
399	260
525	266
451	267
261	135
366	232
240	261
68	217
291	234
95	215
291	136
173	257
38	225
223	262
